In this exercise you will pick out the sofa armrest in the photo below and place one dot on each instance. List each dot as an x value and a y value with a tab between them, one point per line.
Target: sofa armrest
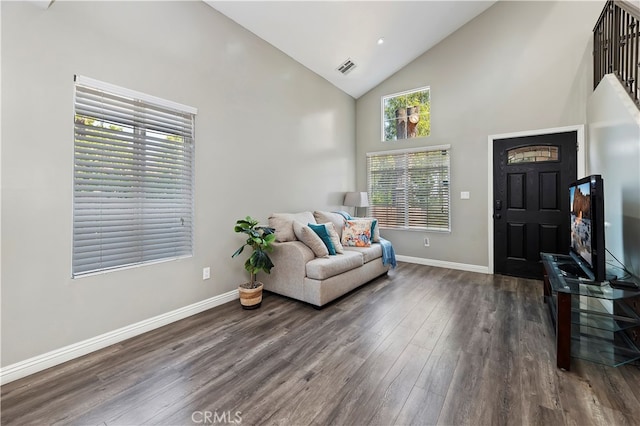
287	276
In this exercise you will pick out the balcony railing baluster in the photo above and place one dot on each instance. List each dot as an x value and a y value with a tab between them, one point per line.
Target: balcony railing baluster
616	46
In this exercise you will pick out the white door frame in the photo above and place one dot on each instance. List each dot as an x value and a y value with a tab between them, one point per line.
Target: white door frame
579	129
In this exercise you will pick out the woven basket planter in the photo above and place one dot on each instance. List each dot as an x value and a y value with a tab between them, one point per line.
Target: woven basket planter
250	298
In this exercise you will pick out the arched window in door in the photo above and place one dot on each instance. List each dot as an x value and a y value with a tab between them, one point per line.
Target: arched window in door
532	154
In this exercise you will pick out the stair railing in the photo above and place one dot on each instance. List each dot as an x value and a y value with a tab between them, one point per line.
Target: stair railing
616	46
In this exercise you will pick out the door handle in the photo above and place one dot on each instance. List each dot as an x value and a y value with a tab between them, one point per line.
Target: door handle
498	204
497	216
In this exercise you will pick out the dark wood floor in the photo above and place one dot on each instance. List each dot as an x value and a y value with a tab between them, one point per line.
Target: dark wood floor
420	346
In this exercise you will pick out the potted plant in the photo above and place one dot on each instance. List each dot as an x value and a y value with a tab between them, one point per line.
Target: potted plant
259	238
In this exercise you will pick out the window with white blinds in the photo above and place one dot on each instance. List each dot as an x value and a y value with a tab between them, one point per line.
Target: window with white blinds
133	178
409	189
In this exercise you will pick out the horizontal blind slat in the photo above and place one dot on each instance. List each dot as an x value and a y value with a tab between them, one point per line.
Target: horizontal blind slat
129	112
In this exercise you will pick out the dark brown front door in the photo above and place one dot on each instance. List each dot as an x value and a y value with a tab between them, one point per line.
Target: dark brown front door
531	176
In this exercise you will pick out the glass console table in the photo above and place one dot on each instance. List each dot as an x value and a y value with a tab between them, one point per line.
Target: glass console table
594	321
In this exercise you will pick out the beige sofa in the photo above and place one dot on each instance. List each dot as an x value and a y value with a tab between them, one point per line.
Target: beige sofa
300	274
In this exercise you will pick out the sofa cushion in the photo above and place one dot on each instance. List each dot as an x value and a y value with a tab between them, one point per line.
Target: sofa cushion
323	268
335	238
283	224
335	218
310	239
323	233
357	233
368	253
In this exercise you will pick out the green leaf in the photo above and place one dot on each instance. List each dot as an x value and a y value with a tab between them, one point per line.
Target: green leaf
266	230
237	252
249	267
260	261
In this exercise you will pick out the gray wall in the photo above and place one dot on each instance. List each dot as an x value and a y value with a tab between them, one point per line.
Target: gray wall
614	152
270	136
518	66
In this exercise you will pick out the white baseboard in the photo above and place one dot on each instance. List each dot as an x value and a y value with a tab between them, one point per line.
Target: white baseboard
444	264
41	362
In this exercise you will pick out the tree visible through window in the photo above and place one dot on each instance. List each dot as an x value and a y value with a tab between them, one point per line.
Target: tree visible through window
406	115
133	178
409	189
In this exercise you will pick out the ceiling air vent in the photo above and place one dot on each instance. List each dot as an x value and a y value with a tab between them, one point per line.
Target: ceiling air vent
346	66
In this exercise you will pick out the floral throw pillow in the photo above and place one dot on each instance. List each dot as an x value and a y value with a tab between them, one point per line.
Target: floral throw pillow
357	233
375	229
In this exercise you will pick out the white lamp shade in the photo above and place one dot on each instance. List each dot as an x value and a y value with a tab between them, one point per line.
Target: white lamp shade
356	199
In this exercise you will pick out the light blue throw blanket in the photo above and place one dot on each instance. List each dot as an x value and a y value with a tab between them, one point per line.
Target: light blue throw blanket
388	254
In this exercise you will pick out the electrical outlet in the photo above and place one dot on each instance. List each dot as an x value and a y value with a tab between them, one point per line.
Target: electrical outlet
206	273
426	242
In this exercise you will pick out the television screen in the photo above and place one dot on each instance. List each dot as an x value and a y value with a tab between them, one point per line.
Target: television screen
586	200
580	202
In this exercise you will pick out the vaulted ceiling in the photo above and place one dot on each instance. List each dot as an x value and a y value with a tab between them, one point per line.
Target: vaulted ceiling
321	35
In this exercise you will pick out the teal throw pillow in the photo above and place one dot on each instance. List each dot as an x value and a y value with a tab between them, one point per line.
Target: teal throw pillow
374	224
322	232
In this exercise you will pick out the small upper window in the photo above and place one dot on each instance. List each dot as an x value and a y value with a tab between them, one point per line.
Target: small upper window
406	115
532	154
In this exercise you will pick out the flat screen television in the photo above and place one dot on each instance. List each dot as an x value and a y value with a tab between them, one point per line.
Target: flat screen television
586	201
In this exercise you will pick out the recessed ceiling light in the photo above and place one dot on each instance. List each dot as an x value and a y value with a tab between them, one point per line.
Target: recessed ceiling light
380	40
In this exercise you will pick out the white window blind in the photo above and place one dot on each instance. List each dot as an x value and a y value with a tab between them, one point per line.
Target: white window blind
409	189
133	178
